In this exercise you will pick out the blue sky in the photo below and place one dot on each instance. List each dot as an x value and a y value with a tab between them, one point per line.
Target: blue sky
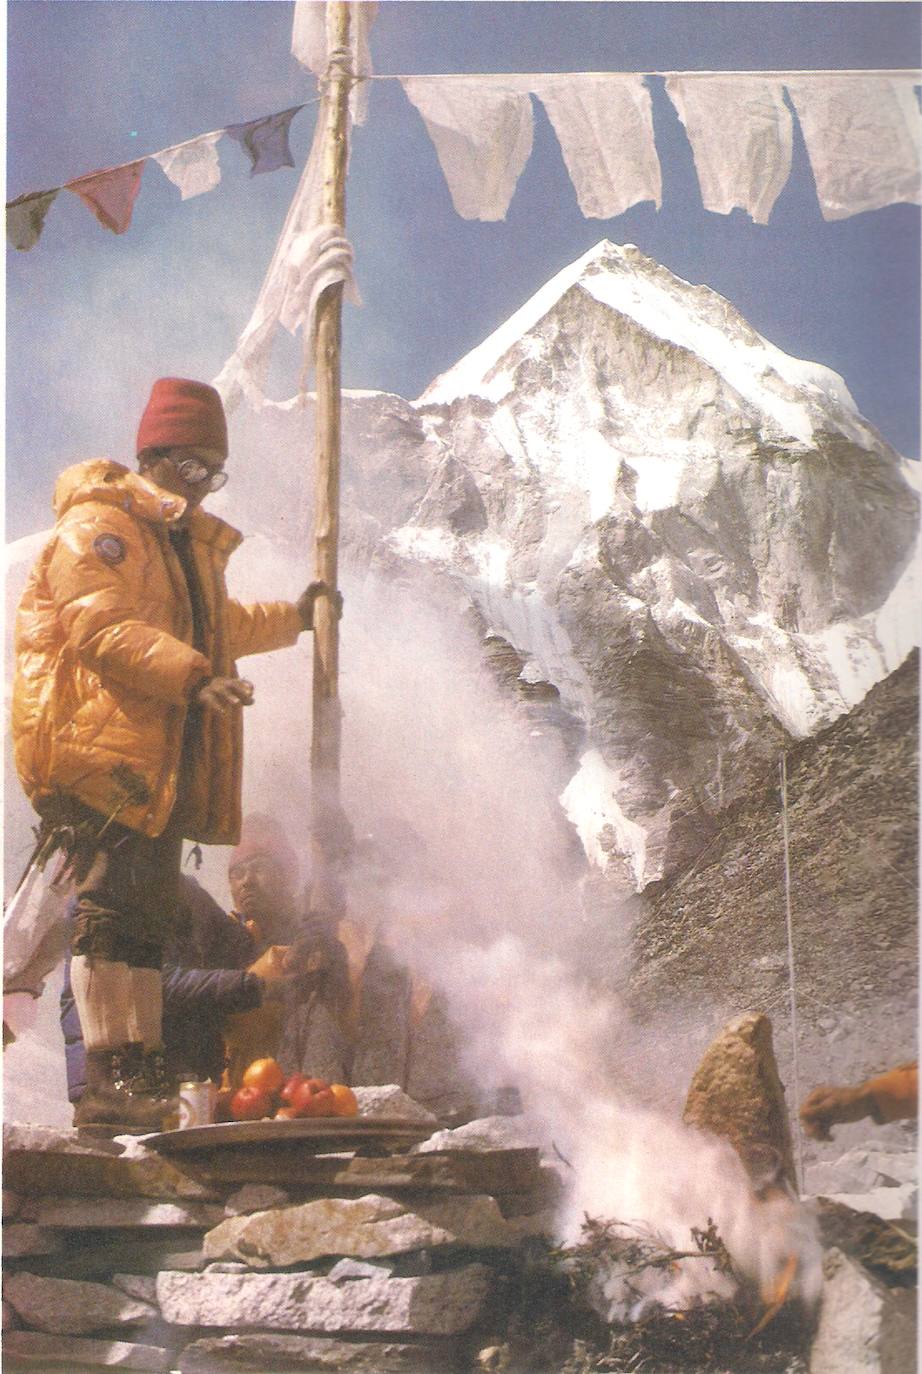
92	317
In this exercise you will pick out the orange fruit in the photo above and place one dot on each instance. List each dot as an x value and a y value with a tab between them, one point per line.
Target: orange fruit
344	1100
265	1075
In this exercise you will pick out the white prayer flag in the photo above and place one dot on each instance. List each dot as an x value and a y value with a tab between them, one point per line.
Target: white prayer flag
192	166
482	130
863	136
741	134
604	125
309	45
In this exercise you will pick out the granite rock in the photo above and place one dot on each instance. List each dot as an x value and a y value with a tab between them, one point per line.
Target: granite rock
864	1327
46	1159
254	1197
390	1100
347	1269
438	1305
359	1227
736	1093
67	1307
487	1133
140	1286
102	1213
23	1238
892	1204
72	1352
861	1169
11	1204
237	1354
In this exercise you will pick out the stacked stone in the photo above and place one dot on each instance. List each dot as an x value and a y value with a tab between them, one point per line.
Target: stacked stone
118	1258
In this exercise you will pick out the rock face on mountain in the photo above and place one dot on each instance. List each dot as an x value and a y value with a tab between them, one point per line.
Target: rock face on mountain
716	936
682	547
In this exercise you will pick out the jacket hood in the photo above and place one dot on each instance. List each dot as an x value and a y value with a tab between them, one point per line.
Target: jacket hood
103	481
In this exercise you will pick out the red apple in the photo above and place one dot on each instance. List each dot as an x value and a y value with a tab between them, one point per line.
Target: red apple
249	1104
290	1087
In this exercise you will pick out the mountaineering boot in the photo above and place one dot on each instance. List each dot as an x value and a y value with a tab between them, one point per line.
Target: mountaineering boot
117	1099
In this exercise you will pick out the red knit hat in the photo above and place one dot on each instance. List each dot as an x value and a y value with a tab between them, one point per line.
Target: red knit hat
263	836
181	413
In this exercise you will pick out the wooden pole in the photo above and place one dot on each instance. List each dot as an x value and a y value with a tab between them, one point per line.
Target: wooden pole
325	733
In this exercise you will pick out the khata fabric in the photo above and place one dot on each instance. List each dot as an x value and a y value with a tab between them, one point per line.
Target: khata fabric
741	133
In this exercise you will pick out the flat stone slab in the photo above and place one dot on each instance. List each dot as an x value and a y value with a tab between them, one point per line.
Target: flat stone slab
459	1170
362	1228
900	1203
267	1351
100	1214
864	1327
22	1239
45	1159
73	1351
105	1257
436	1305
69	1307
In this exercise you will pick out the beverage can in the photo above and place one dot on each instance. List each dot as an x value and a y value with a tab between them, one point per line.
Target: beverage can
197	1101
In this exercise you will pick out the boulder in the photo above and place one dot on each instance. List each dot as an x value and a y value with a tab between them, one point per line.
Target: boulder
362	1227
436	1305
72	1352
864	1327
736	1093
66	1307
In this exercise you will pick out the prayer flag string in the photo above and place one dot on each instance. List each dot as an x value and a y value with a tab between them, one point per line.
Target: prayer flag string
862	130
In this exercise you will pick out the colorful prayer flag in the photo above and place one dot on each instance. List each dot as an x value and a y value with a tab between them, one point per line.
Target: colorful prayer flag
111	194
25	218
266	140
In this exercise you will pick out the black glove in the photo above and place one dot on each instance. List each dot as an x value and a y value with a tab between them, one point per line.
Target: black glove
305	602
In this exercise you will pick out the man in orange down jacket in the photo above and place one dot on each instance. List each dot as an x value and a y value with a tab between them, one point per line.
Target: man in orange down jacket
127	717
892	1096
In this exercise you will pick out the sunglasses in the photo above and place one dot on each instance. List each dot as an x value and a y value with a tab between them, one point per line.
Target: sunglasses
198	474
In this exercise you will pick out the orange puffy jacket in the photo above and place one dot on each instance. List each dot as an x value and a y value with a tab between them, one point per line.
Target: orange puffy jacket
104	661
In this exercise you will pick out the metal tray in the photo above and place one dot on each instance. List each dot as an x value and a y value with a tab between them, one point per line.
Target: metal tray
316	1134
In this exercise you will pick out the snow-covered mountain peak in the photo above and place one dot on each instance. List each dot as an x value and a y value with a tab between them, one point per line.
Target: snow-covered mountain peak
786	398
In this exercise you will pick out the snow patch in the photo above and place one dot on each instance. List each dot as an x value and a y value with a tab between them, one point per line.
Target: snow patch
590	801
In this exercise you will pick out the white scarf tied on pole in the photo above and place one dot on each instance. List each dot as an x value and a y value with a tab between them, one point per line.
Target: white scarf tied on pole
741	134
309	45
482	131
310	256
863	138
